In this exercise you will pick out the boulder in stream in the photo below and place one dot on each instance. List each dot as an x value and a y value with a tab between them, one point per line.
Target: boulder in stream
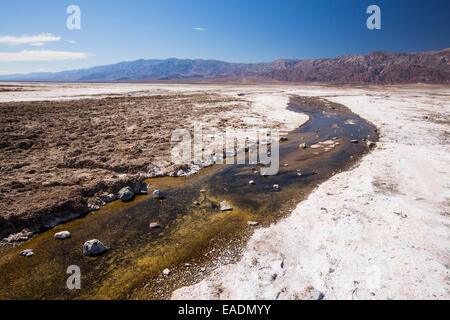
158	194
126	194
94	248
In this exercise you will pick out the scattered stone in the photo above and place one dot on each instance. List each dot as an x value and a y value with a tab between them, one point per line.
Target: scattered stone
299	174
302	145
331	270
274	276
27	253
327	142
158	194
126	194
354	141
276	187
283	139
197	203
166	272
316	146
252	223
62	235
202	269
202	191
225	206
349	121
371	144
251	182
187	265
23	235
154	225
93	248
285	165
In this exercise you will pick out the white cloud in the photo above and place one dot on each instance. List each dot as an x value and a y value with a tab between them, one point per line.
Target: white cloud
41	55
36	40
71	41
199	29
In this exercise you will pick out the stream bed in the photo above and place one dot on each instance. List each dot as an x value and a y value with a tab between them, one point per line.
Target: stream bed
195	236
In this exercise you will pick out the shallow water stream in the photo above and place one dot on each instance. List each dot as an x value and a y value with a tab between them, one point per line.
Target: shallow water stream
189	233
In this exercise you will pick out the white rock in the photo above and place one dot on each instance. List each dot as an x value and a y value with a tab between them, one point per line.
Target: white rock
62	235
225	206
27	253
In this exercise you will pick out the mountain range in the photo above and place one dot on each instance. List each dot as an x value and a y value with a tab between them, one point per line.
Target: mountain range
374	68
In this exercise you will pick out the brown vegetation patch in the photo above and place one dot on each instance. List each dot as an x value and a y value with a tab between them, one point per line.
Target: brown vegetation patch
59	157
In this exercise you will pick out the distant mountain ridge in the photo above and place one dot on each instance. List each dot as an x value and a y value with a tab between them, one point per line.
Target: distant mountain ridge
373	68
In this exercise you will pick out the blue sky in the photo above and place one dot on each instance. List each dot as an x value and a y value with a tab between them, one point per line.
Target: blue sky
231	30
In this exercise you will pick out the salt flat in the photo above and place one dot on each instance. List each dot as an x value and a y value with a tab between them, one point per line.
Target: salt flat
378	231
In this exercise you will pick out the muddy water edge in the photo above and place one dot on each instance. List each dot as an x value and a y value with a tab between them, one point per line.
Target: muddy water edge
195	236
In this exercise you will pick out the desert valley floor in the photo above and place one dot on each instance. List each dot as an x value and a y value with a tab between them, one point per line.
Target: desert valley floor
376	228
